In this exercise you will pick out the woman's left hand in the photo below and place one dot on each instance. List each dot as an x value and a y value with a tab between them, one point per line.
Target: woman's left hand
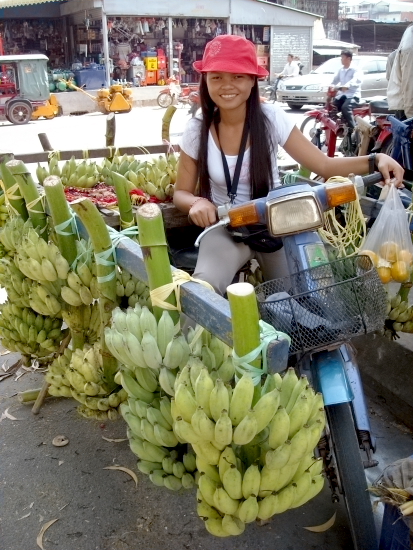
385	165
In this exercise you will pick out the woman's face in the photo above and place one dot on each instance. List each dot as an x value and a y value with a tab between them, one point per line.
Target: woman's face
229	90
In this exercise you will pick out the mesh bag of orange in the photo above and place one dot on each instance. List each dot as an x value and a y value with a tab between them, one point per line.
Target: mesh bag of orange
389	243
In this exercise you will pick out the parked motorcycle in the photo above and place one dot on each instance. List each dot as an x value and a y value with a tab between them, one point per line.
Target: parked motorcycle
324	126
176	92
321	305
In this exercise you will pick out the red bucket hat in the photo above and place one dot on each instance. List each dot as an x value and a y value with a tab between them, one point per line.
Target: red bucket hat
230	54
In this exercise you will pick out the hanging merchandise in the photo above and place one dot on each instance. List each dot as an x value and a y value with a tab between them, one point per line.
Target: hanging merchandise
252	34
185	24
145	26
248	33
197	27
266	34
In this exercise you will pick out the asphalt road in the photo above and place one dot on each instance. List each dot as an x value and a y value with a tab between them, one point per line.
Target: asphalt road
142	126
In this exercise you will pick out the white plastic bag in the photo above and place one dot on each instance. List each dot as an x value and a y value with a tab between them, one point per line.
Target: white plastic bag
389	243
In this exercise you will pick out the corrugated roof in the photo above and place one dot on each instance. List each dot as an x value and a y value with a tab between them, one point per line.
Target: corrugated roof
16	3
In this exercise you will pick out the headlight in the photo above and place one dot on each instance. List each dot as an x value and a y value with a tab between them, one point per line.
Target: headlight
315	87
324	88
294	214
281	86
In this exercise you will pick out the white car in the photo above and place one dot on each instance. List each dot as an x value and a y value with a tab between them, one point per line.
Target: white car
310	89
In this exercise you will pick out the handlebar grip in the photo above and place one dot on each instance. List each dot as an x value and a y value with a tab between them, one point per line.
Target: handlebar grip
372	179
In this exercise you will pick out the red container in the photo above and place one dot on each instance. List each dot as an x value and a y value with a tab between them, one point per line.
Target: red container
161	77
161	62
151	77
160	53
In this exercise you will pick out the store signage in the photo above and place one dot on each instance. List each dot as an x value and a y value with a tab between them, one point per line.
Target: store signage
266	34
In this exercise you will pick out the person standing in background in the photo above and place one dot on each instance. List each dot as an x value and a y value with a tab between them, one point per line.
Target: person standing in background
400	87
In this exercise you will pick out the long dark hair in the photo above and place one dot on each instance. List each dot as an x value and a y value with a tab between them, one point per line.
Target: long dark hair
261	146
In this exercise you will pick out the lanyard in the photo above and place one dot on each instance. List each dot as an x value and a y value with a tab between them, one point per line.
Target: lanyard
232	186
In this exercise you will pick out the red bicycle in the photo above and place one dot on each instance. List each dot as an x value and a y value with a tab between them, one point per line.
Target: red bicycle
324	126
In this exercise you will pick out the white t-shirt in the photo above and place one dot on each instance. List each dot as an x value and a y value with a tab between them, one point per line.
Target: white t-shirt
281	126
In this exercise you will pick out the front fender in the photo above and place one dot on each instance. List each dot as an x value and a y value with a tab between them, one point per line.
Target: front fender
329	371
314	114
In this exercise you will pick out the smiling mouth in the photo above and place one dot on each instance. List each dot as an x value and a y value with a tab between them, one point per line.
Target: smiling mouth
228	96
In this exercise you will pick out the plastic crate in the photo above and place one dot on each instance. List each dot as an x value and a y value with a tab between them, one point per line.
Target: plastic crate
91	79
395	534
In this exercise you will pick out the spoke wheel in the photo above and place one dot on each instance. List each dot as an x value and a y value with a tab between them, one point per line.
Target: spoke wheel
164	100
345	447
311	128
19	112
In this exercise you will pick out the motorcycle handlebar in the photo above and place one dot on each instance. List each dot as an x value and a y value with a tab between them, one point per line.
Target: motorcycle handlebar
372	179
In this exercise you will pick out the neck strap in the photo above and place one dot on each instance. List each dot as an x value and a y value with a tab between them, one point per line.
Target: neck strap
232	186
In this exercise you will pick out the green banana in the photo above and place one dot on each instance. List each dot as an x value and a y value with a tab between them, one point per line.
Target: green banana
241	399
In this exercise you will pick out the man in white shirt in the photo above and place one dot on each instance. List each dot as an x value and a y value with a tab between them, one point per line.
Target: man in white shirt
290	69
348	83
400	87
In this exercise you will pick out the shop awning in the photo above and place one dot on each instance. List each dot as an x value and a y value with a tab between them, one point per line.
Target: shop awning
324	51
16	3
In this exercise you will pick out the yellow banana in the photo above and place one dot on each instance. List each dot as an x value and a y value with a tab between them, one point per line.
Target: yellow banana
277	458
223	428
205	511
298	388
207	486
227	370
266	408
232	482
165	331
227	457
70	296
303	485
177	352
134	389
246	429
214	527
203	389
202	425
248	510
185	403
299	415
233	525
166	437
251	481
167	380
223	502
211	471
185	431
288	383
151	353
299	444
218	400
148	322
241	399
279	428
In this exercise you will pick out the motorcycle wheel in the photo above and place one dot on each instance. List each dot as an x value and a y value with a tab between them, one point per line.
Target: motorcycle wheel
309	128
164	99
353	479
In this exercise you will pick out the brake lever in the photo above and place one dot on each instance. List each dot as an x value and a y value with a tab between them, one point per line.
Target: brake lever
223	221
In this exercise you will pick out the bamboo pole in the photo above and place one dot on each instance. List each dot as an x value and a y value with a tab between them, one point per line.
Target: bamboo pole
245	318
30	194
166	123
9	180
98	232
110	130
155	252
124	200
60	212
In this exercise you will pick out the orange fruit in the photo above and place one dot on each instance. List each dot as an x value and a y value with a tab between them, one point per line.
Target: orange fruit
372	255
384	274
400	272
405	256
388	251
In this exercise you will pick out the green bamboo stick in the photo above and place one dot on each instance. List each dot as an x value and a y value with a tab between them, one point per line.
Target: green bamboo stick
30	194
155	252
18	204
245	318
101	241
124	200
166	122
60	213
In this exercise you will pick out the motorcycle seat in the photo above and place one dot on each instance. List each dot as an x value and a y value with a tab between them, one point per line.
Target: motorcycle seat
380	107
361	103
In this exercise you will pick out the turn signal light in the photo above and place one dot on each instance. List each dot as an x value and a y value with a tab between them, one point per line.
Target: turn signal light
243	215
340	194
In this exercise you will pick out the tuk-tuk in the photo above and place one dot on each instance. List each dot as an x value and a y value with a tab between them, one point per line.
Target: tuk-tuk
24	88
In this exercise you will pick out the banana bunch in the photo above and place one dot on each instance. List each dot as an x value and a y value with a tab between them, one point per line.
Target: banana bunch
400	313
230	495
56	375
155	177
18	286
87	384
136	291
80	287
255	277
151	439
12	233
24	331
85	174
4	212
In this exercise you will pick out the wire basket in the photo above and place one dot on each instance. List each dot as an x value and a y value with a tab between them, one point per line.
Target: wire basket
327	304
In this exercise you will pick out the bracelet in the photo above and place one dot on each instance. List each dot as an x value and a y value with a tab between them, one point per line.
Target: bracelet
372	162
195	201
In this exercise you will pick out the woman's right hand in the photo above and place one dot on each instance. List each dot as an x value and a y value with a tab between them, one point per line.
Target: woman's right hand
203	213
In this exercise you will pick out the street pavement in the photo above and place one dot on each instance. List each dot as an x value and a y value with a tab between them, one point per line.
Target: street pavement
101	509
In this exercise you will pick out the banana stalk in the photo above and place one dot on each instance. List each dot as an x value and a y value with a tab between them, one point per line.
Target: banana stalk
18	204
60	212
124	200
101	241
155	252
30	194
28	395
245	317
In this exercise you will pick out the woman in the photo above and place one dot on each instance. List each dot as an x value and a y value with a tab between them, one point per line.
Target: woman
231	111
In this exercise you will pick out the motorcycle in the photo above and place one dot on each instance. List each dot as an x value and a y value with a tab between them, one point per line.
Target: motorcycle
316	306
174	91
323	127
